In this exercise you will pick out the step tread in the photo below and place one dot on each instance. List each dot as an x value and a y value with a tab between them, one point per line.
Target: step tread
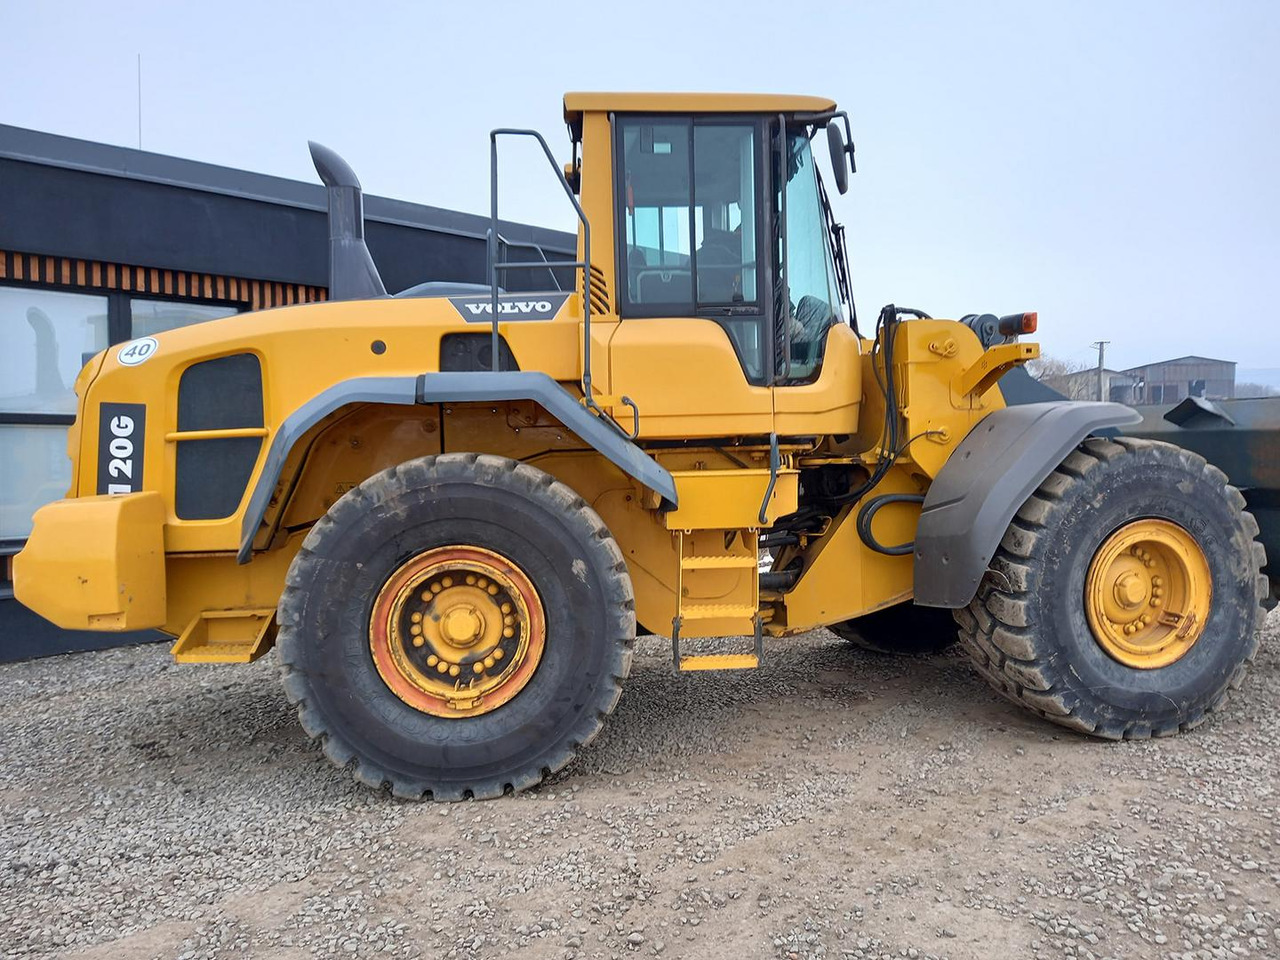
717	611
216	652
715	562
719	661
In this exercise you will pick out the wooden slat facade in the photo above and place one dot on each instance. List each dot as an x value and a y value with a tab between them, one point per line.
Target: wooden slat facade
94	275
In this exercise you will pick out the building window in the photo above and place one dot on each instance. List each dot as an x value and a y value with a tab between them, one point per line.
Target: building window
46	336
150	317
1195	388
34	470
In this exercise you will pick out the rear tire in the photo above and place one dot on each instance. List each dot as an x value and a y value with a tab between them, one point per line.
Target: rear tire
1028	630
561	560
901	630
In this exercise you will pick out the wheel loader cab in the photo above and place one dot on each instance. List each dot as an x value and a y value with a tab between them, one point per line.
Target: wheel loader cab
727	290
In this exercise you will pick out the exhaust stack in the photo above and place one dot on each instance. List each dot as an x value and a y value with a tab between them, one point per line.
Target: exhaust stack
352	274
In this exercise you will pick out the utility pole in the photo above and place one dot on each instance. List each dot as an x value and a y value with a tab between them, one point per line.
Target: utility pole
139	101
1102	352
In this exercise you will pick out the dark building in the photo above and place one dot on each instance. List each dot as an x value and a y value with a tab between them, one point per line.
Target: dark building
102	244
1169	381
1165	381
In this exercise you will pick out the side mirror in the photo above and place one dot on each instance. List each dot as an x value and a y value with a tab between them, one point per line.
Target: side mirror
839	156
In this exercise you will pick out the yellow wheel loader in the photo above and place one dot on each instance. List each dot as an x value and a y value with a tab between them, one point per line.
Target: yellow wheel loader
449	509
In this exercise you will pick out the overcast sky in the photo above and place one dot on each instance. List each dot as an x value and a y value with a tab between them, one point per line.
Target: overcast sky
1112	165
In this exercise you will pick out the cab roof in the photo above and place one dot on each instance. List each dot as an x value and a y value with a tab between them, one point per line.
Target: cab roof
576	104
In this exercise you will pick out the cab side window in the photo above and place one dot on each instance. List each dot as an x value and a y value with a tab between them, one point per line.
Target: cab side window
813	294
688	201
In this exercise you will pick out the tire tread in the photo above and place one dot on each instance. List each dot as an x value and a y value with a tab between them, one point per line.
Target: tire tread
995	631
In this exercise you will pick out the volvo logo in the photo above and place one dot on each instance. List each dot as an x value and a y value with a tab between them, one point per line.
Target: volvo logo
510	307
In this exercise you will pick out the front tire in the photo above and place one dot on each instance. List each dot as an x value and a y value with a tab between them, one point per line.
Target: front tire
457	626
1125	598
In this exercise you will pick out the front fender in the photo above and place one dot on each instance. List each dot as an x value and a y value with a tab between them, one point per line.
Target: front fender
988	477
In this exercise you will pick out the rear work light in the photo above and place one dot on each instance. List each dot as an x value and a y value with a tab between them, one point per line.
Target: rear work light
1017	323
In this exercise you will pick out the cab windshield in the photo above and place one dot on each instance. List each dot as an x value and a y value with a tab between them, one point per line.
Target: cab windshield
813	290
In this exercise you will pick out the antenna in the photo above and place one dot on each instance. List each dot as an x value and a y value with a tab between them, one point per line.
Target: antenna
139	101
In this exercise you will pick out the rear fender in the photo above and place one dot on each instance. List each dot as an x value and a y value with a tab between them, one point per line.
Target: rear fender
450	388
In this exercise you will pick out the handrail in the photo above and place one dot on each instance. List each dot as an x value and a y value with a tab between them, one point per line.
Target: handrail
494	266
550	267
584	264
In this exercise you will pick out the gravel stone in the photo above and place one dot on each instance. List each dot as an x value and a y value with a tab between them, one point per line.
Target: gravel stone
832	804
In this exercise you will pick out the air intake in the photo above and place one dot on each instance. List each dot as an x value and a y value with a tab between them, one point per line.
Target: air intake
352	274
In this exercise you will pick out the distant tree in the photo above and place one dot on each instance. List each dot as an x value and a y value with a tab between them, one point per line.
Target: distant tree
1247	390
1064	376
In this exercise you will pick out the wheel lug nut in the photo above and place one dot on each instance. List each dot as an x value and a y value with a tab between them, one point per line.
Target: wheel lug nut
1155	581
478	666
454	670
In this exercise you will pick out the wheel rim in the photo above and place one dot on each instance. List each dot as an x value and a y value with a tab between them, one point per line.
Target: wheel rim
1148	594
457	631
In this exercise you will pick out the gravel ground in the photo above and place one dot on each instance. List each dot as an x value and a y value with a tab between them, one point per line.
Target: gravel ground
832	804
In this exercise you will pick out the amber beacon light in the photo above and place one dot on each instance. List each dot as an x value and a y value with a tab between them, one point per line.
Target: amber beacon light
1016	323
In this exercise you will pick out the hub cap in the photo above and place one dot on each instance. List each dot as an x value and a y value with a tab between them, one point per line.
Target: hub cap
1147	594
457	631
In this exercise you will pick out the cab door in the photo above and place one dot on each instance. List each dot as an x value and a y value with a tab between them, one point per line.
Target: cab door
692	347
817	364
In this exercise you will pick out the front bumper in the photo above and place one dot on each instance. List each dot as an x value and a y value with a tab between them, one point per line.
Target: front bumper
96	563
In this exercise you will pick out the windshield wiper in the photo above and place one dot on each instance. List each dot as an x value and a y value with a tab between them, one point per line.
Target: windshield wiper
840	256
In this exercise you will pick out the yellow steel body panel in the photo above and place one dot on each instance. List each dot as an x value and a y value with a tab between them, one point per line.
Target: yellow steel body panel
216	582
982	375
730	499
304	350
831	404
596	198
96	563
843	577
686	379
576	104
932	356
